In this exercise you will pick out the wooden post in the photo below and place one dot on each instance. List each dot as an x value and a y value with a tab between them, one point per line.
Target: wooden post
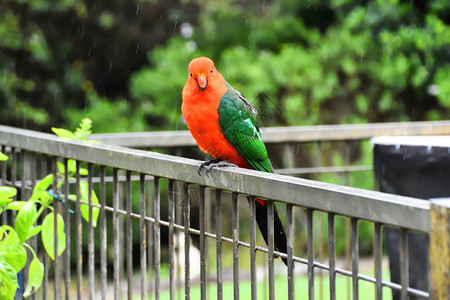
440	249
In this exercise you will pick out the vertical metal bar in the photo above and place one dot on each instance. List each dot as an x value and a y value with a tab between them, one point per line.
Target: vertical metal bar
23	174
270	233
171	240
290	251
310	250
208	216
32	173
79	231
355	257
438	255
157	233
219	244
378	260
404	264
3	165
143	234
187	243
103	233
129	235
347	221
179	219
22	191
43	164
235	235
150	239
202	244
56	286
13	158
116	233
332	256
320	221
91	260
67	229
253	277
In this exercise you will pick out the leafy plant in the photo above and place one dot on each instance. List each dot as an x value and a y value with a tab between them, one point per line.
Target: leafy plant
80	134
13	241
13	245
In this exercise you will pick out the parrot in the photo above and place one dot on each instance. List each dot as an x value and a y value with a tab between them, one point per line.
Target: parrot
224	125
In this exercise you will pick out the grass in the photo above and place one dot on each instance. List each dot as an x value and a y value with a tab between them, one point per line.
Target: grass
366	289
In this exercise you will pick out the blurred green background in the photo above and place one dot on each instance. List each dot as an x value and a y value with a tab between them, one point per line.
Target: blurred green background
123	63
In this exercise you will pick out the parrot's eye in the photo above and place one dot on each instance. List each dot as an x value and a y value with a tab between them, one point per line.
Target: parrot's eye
190	74
211	70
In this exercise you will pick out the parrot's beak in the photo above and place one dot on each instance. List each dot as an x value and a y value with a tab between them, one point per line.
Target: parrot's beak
201	81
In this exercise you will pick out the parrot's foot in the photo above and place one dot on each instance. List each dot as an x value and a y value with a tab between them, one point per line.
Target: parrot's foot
208	165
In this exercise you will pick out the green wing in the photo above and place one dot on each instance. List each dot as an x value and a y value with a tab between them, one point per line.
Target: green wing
237	118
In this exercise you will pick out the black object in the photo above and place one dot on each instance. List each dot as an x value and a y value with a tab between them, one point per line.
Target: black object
419	171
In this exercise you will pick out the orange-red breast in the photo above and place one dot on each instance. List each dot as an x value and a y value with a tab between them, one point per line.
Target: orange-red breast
224	125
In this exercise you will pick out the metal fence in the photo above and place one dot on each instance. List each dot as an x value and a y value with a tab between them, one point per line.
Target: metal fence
166	184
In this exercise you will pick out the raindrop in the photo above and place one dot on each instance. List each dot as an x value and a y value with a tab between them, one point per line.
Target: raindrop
263	6
433	89
4	78
191	46
89	52
137	47
429	148
137	9
110	65
362	54
186	30
54	95
397	146
175	26
246	22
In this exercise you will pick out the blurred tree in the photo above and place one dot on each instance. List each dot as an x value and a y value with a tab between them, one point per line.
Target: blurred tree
56	53
316	62
320	62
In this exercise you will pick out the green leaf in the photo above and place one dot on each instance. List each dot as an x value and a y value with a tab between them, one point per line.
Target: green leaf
16	255
16	205
24	220
7	191
3	157
83	171
40	190
12	250
61	168
64	133
84	192
71	166
9	283
35	230
48	234
45	183
35	276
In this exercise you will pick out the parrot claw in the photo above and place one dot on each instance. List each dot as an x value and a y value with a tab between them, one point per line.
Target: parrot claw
208	165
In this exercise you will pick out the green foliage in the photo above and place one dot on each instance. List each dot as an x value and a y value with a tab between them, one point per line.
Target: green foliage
13	254
101	110
367	63
83	130
160	87
48	234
